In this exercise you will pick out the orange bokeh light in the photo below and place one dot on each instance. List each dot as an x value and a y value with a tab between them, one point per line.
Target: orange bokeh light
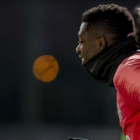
46	68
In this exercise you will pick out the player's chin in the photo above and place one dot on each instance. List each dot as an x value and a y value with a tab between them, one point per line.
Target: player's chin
83	61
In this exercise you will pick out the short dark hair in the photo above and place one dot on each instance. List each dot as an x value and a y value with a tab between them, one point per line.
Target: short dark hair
110	18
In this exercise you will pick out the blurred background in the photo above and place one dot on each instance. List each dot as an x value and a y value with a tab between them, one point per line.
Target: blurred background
73	104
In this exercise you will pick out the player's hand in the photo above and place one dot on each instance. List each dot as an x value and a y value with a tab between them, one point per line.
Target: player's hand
77	139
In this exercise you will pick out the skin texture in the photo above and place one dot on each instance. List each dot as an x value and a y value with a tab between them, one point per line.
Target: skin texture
90	43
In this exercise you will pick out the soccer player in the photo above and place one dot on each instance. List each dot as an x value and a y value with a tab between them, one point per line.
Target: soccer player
111	55
136	15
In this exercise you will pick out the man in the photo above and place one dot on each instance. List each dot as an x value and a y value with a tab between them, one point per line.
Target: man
110	54
136	15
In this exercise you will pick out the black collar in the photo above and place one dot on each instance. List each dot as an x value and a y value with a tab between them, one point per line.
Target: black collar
103	66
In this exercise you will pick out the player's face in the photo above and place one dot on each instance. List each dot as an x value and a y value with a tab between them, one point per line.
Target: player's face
88	44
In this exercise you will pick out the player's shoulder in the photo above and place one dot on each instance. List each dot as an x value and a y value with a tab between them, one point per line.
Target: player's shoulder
130	64
129	69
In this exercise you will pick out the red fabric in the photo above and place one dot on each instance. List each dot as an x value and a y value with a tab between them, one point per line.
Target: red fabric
127	83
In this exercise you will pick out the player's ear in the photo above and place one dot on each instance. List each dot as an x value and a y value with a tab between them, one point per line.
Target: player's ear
102	43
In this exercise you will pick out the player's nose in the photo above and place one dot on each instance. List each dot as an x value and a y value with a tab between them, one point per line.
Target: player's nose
78	49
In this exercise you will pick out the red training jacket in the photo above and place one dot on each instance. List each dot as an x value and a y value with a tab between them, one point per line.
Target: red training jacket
127	83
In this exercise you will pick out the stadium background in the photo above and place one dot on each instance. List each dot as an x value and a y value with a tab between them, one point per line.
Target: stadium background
74	104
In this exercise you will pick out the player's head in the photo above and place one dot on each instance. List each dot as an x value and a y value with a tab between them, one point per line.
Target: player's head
101	26
136	15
